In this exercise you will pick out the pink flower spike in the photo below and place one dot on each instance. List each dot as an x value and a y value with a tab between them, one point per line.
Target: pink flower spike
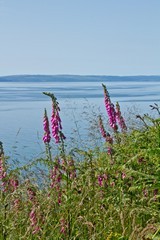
102	129
46	137
123	175
56	125
100	180
110	109
120	119
110	151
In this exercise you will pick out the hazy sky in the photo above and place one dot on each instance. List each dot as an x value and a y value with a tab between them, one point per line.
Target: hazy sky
106	37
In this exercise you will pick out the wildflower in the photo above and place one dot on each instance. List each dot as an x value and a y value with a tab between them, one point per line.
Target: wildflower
105	134
123	175
120	119
63	226
56	174
16	203
141	160
33	220
110	109
56	177
102	129
56	123
32	217
72	169
110	151
55	119
145	192
155	193
31	194
3	173
36	229
13	184
101	179
46	137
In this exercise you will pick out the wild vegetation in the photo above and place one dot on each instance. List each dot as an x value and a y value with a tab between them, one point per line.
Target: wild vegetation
110	192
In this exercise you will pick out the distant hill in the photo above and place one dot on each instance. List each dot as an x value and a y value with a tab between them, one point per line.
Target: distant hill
75	78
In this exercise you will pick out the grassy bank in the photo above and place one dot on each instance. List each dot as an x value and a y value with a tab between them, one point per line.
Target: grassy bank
111	193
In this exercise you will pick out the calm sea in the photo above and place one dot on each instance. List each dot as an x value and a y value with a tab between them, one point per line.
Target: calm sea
22	105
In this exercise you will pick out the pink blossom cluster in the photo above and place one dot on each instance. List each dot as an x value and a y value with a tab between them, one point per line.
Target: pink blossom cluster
13	184
110	151
56	177
105	134
155	193
102	179
56	126
33	220
46	137
72	169
56	123
31	194
3	174
102	129
2	170
120	119
33	213
123	175
63	225
10	185
110	109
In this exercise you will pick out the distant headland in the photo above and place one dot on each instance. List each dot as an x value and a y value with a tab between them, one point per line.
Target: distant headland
77	78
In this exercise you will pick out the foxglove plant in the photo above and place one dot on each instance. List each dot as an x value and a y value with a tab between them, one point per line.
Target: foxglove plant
72	173
56	177
102	179
13	184
105	134
46	137
3	173
34	221
31	194
63	226
120	119
33	217
110	109
56	125
102	129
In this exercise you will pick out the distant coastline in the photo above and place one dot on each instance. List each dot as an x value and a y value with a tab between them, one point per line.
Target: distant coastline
77	78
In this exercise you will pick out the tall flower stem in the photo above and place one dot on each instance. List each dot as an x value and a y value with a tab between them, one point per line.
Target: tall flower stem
59	137
120	119
56	125
3	175
48	153
47	137
107	137
110	109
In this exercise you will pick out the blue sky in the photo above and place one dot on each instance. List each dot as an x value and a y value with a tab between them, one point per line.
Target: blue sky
100	37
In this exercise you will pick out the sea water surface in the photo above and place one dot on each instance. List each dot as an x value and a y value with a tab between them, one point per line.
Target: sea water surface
22	106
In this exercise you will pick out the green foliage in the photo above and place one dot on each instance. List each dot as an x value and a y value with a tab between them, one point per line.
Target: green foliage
102	197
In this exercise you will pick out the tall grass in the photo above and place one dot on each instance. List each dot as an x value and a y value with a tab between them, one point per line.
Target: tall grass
111	193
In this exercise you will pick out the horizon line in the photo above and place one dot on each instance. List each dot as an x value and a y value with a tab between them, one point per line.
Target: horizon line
82	75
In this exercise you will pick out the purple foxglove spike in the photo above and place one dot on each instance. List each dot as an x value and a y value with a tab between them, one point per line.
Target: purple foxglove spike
110	109
46	137
120	119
